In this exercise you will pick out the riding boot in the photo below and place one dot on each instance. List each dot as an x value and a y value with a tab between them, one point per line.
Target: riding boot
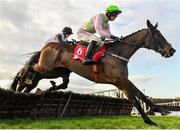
89	54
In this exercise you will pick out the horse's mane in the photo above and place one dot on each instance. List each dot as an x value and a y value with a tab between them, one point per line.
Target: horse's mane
132	33
35	55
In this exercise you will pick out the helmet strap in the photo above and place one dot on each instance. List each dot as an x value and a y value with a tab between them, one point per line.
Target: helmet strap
108	16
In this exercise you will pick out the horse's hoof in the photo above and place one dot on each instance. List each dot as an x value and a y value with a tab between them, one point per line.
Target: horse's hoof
39	91
150	122
150	112
161	110
48	90
165	112
64	87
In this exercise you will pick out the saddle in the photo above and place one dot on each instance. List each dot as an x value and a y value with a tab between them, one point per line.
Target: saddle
80	51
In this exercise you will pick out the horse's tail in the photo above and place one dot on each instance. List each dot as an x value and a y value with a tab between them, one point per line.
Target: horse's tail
35	57
20	76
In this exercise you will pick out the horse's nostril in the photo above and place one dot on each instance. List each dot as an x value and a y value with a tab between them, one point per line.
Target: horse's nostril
172	51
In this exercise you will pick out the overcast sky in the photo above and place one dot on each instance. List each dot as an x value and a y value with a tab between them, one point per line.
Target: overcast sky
26	24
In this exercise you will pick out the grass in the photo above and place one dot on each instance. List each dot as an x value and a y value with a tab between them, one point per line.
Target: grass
103	122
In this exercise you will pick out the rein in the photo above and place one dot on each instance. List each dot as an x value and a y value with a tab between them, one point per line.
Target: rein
112	41
118	56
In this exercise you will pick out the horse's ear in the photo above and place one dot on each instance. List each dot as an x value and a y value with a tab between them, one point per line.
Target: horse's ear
156	25
149	25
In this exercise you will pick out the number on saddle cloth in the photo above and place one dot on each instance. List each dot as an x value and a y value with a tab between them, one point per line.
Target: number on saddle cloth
80	51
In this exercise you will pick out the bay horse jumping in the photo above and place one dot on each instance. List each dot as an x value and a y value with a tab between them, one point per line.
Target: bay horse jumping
111	69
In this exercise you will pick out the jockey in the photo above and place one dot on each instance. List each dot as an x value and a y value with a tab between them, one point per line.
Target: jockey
66	32
97	24
62	37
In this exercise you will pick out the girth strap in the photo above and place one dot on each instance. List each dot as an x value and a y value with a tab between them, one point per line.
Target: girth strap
95	72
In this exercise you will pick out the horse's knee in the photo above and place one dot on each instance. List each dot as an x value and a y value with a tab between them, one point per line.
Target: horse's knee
63	86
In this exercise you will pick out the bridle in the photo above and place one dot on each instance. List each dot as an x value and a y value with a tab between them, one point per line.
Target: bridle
157	44
152	41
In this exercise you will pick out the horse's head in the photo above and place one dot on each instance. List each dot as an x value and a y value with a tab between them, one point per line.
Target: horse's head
157	42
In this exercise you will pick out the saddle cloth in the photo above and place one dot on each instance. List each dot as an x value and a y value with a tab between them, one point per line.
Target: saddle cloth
80	51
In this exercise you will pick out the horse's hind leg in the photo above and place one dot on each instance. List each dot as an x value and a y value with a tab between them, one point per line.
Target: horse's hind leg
27	88
15	83
31	87
20	87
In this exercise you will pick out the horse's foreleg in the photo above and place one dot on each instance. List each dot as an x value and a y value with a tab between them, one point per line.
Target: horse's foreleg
141	96
141	111
64	85
127	87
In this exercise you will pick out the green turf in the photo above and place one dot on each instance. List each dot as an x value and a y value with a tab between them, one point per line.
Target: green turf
104	122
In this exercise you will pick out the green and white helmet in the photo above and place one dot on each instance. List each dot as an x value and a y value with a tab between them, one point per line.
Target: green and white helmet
113	9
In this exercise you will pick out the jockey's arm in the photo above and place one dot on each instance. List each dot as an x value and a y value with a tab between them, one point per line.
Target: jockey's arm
99	29
59	37
107	29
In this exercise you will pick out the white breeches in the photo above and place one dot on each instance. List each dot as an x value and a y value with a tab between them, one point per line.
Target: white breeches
88	37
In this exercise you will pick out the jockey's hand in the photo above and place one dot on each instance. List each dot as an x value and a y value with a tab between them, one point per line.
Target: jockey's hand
102	38
115	38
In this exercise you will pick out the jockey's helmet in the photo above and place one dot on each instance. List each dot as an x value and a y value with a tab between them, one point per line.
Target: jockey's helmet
113	10
67	30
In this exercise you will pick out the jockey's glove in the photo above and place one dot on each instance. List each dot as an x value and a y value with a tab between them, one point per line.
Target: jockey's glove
102	38
115	38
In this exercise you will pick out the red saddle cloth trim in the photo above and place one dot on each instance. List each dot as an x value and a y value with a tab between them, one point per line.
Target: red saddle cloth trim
80	51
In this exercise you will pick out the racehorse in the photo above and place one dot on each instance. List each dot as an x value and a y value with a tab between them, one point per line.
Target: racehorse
111	69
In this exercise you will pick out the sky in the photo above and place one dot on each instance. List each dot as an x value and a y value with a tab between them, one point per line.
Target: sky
25	25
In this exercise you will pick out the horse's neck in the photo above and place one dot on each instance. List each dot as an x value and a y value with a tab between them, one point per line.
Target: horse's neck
126	49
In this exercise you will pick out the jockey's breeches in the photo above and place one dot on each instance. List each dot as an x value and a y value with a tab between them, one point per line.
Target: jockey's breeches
87	36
